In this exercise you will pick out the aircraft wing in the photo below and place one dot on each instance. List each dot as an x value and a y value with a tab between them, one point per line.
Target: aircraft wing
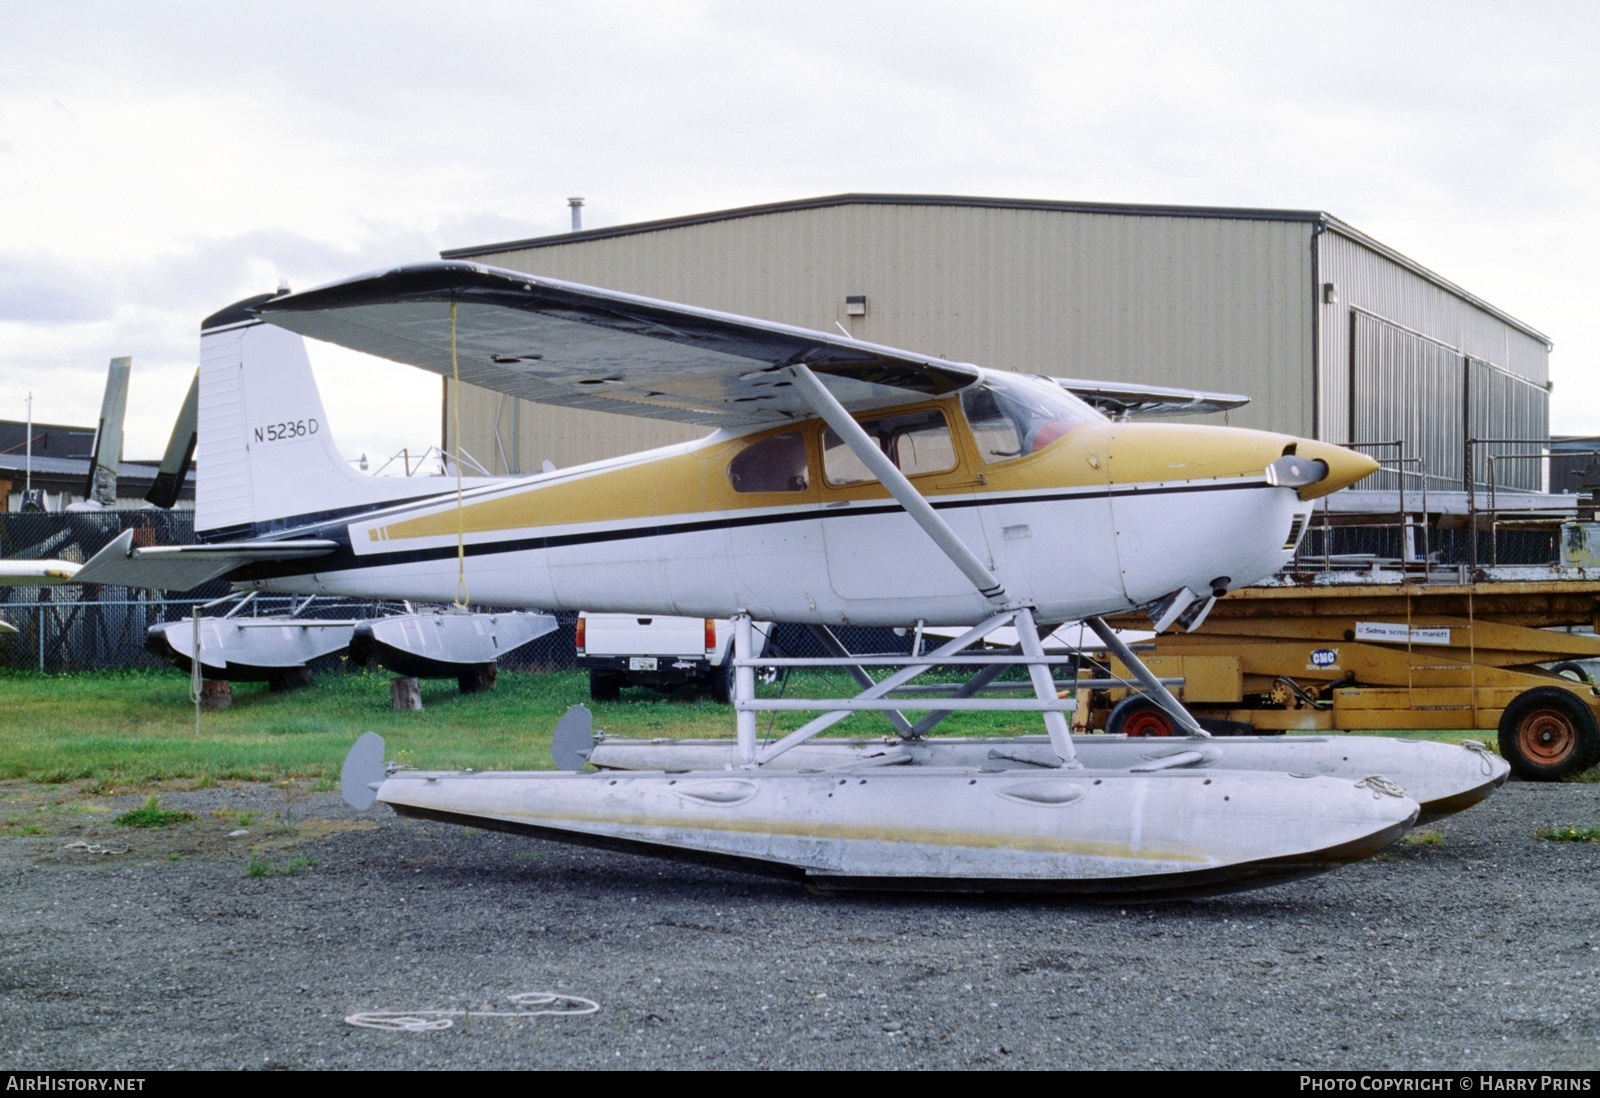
577	346
1121	400
180	567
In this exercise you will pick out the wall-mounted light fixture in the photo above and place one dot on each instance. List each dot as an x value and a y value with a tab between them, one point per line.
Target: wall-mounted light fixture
855	305
1330	293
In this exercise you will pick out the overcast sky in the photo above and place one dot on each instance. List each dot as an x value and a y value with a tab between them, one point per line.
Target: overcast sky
161	160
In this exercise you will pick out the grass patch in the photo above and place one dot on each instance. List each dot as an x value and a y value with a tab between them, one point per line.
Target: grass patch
153	815
110	732
1569	834
106	732
1430	836
261	866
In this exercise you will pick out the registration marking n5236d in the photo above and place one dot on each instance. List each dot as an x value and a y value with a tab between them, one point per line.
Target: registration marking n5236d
291	428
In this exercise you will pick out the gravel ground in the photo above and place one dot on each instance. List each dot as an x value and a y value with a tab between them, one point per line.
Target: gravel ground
1479	950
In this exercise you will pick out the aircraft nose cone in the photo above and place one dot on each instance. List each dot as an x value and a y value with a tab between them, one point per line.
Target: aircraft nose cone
1344	466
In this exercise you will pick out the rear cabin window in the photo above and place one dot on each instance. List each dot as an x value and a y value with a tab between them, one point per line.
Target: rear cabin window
773	464
917	442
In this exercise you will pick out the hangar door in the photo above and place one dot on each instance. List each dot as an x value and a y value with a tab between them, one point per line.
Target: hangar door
1408	388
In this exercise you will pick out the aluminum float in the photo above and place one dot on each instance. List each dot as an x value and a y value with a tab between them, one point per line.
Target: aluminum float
1442	778
1090	832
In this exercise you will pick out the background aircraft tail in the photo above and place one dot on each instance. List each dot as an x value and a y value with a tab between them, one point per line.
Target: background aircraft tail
101	486
268	460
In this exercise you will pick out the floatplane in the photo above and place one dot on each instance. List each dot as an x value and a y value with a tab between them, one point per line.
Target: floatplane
843	483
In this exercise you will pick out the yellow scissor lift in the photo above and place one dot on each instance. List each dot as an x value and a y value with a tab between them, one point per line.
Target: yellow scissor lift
1389	656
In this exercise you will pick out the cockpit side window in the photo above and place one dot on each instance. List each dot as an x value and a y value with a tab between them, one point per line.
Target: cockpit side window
1013	416
993	431
776	463
917	442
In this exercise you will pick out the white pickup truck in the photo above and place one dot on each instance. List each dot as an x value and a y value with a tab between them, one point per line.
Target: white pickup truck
660	651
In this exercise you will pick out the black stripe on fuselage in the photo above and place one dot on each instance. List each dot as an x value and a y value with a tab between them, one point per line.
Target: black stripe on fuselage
296	526
345	558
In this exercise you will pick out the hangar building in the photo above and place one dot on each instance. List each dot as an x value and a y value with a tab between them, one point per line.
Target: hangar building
1331	333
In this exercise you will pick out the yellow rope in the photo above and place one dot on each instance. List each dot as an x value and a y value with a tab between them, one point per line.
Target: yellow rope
461	520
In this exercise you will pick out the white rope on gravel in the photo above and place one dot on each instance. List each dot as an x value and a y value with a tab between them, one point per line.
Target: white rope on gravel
425	1021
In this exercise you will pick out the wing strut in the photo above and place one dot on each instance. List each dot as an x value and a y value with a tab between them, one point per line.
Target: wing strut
901	488
979	574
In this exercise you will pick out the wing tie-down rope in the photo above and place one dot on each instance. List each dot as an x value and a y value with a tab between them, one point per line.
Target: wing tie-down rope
426	1021
461	519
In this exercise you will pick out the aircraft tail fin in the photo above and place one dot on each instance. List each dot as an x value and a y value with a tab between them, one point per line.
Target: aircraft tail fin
268	461
179	458
101	485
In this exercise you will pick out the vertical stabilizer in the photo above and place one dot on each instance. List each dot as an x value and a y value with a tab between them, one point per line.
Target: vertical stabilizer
101	486
267	459
179	458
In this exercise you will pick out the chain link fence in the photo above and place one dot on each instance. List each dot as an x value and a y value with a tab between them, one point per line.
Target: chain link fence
86	628
96	627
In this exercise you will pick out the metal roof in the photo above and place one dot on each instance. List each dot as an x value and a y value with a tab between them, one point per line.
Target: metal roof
17	464
1320	220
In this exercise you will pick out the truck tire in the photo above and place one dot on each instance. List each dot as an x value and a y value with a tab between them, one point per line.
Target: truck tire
1547	733
604	686
1571	669
719	684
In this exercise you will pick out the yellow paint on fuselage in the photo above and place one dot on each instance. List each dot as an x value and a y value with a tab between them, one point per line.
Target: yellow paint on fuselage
695	480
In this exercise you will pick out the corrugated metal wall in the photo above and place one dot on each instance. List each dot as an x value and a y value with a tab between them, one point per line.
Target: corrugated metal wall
1224	300
1208	302
1406	359
1502	406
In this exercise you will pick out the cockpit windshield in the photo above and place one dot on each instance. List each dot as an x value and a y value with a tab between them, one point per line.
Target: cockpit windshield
1012	415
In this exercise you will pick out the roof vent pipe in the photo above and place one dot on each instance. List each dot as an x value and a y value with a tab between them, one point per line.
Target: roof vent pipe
576	203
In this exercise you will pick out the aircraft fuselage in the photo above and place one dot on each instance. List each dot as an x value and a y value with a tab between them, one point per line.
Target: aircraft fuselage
1079	518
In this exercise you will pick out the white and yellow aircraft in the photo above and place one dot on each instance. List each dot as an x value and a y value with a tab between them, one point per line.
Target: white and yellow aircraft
844	483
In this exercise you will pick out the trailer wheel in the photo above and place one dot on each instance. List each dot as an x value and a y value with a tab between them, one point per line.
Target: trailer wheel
1568	669
1548	733
1139	716
604	686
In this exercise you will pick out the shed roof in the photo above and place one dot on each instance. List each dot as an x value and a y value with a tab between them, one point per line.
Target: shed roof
1319	220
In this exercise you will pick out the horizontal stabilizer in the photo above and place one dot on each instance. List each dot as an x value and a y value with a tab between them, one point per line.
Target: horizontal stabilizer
36	573
181	567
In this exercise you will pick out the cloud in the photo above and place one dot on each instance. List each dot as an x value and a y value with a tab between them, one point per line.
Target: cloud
172	156
36	288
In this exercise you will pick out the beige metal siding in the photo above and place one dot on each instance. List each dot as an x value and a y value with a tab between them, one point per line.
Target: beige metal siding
1395	352
1207	302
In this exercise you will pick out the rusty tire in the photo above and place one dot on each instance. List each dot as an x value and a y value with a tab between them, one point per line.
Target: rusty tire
1139	716
1548	733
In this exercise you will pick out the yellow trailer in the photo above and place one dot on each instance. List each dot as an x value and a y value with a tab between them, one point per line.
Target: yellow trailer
1360	657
